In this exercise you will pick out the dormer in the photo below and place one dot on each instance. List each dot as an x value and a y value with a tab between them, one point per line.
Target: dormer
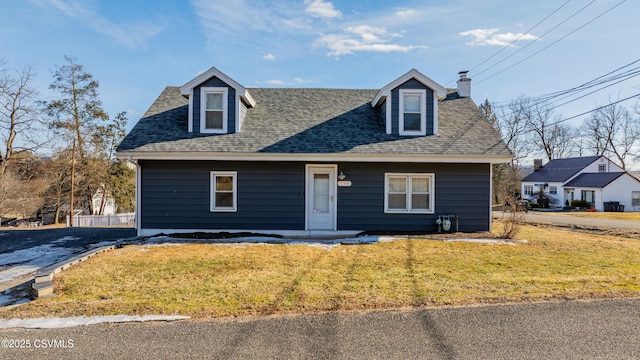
409	104
217	103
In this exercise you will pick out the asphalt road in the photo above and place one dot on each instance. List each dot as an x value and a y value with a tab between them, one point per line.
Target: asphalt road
561	330
553	218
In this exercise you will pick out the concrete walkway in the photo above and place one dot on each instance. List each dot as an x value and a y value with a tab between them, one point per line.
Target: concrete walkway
569	220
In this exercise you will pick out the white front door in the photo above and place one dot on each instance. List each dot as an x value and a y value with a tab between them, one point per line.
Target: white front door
321	197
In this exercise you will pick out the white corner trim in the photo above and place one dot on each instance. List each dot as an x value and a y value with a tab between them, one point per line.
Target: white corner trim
237	117
435	115
389	121
491	197
138	197
190	114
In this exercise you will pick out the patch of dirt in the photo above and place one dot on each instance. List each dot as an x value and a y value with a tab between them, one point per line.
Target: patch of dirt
629	234
430	235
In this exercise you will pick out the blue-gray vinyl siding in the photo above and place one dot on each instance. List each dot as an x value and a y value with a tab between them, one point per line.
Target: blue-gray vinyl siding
395	105
460	189
176	195
231	104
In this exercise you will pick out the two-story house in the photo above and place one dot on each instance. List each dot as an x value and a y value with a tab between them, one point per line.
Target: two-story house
594	179
214	155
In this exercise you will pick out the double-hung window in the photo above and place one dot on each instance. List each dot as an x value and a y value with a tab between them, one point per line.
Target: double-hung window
528	190
413	112
409	193
635	198
213	110
224	192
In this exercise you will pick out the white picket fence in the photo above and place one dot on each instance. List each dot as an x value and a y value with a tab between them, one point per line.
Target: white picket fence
104	220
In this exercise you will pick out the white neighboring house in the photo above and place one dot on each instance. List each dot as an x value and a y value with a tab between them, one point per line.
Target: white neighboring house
109	206
594	179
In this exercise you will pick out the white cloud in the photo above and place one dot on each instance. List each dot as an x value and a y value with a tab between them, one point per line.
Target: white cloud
128	34
362	38
484	37
405	12
269	57
295	81
319	8
232	15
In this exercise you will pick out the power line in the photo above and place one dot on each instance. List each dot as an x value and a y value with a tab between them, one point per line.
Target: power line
532	42
596	109
521	35
518	38
592	92
582	87
555	42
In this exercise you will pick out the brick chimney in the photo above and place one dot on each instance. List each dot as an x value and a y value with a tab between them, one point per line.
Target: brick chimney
537	164
464	84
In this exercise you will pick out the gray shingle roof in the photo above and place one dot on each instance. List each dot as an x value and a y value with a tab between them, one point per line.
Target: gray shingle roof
594	180
560	170
314	121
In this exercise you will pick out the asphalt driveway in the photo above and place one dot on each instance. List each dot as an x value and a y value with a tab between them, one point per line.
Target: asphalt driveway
24	252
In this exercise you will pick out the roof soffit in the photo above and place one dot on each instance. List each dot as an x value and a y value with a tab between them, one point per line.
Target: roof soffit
186	89
439	90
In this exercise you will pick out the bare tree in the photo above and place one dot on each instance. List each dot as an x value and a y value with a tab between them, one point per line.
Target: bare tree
506	177
548	136
512	125
20	125
613	131
58	171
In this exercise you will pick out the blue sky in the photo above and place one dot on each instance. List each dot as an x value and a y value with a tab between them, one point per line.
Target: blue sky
136	48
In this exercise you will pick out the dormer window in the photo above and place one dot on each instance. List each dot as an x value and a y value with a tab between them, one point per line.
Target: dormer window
213	110
413	114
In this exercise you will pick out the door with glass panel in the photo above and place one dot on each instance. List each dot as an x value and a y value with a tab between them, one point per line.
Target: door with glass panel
321	199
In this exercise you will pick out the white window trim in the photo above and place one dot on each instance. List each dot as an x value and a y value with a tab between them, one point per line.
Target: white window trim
409	176
203	109
423	111
212	191
637	198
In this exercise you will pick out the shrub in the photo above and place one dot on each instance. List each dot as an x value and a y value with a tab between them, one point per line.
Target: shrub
580	204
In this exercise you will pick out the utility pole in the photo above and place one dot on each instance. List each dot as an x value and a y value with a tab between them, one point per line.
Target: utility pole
73	171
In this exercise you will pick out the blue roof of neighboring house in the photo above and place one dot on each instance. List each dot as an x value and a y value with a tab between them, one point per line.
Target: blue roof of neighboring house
594	180
560	170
